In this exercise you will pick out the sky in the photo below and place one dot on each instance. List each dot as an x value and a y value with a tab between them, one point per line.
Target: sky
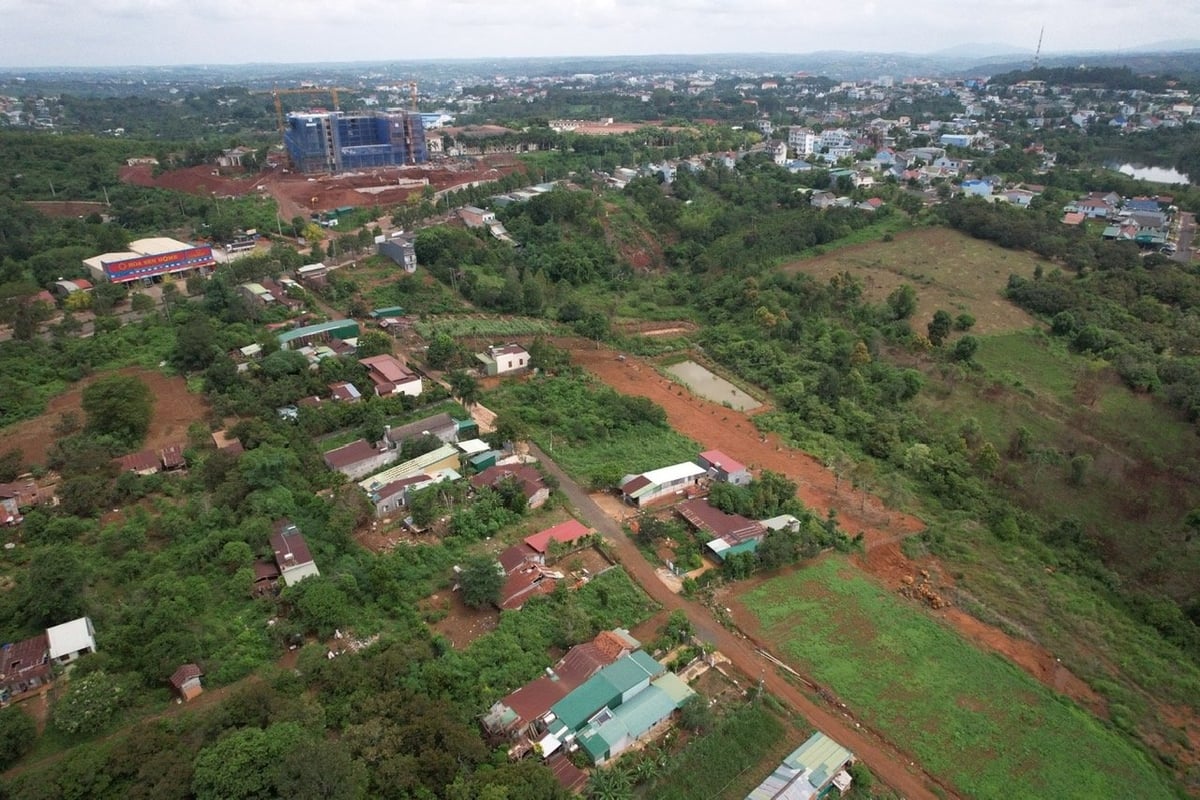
164	32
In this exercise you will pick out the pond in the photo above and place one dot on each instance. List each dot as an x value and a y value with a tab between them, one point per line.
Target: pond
712	387
1152	174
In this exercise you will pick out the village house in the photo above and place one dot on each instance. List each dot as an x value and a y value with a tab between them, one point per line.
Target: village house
360	458
444	459
815	769
28	664
292	557
442	426
723	468
390	376
732	533
22	494
186	682
344	392
641	490
504	360
150	462
533	485
474	217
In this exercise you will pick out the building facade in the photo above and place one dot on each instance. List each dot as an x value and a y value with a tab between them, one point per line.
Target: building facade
336	141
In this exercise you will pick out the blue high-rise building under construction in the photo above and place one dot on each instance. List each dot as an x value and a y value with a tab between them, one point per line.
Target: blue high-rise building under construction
335	141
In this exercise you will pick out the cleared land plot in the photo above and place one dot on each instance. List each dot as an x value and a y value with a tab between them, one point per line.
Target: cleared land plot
948	269
712	387
174	409
966	715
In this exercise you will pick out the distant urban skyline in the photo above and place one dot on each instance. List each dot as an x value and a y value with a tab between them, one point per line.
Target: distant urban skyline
39	33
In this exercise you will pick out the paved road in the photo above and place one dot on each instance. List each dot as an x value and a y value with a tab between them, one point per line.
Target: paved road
885	761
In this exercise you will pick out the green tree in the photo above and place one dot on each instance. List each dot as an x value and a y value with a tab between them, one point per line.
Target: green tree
965	348
119	406
373	343
964	322
320	604
18	732
902	302
939	327
245	764
195	344
443	351
54	588
90	703
464	387
321	770
695	715
481	580
609	783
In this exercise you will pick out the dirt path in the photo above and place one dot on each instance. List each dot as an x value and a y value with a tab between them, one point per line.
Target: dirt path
889	764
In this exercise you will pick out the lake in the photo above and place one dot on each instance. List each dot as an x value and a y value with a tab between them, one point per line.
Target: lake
1152	174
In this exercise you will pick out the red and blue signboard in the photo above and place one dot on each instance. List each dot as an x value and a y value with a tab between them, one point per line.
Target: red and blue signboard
132	269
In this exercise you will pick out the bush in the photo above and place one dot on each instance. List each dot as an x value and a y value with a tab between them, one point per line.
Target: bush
17	735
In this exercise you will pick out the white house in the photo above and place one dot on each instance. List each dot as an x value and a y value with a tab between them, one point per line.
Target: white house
803	141
71	640
504	360
641	489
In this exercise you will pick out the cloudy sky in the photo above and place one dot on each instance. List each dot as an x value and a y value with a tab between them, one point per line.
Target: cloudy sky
154	32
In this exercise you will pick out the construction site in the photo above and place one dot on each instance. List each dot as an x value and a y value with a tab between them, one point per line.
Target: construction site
336	141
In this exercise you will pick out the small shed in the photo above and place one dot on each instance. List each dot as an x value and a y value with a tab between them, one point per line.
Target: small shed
484	460
186	681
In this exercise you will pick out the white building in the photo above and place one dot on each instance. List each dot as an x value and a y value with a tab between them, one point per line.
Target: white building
71	640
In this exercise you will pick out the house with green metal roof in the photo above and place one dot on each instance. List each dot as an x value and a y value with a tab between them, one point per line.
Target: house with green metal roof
607	689
813	771
616	730
321	332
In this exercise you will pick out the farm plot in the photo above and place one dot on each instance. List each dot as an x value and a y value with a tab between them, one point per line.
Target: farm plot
968	716
486	327
948	269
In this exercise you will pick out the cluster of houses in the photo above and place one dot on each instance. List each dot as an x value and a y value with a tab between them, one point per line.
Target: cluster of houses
1143	220
602	697
528	567
684	484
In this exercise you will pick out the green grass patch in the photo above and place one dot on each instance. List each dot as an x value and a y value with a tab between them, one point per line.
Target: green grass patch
728	761
487	327
595	433
968	716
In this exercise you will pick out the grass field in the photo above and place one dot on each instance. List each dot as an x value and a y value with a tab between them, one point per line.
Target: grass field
948	269
463	326
726	762
968	716
1128	500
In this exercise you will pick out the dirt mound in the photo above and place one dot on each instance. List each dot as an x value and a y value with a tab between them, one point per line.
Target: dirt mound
175	408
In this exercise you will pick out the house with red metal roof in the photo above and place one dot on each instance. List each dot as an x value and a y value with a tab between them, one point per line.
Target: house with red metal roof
390	376
566	534
732	533
531	482
724	468
292	557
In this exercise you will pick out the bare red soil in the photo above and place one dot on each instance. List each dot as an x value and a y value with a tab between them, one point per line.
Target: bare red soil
175	408
299	194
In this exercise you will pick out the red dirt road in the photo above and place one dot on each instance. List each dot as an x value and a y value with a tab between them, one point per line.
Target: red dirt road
883	529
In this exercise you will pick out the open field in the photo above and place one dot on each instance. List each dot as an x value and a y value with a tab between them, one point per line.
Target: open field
174	409
948	269
967	715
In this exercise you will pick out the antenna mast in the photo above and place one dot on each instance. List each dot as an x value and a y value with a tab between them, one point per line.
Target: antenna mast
1037	55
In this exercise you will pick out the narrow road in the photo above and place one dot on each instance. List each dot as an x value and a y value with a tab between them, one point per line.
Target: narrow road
885	761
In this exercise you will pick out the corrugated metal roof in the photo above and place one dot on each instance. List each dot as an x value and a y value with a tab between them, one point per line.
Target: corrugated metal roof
675	472
414	466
